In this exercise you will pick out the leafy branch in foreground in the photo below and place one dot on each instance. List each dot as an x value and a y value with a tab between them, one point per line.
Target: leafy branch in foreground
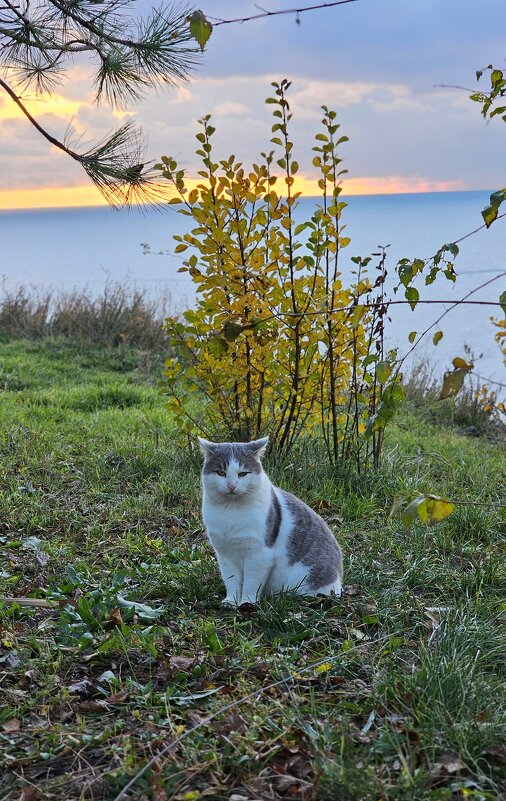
489	108
431	509
39	41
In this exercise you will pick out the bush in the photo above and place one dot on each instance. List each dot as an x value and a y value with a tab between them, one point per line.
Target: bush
277	341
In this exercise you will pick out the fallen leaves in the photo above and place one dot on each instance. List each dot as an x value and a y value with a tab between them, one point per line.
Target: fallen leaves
11	726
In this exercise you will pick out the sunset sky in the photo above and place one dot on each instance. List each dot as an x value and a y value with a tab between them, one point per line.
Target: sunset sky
377	62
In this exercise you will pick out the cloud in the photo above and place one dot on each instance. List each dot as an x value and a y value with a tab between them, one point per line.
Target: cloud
230	109
400	137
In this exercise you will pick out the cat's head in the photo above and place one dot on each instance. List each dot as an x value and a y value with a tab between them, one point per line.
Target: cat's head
232	469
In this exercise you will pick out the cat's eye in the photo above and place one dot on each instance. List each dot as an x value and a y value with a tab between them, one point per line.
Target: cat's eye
244	473
220	473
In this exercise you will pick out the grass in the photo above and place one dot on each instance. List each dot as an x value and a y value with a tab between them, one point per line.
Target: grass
99	517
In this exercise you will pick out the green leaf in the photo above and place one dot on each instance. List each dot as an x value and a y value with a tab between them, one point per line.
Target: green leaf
143	611
231	330
84	611
491	212
437	337
86	640
502	301
218	346
453	380
406	273
73	576
412	296
213	641
412	336
200	28
32	543
383	372
417	508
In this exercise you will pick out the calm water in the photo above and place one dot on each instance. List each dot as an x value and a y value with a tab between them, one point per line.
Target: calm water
67	248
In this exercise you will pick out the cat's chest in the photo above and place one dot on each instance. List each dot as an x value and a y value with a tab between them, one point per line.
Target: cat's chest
227	523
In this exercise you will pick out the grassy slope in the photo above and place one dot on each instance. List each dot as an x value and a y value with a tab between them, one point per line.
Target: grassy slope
411	706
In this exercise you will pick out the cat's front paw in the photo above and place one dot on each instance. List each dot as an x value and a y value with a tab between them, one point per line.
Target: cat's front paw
247	599
229	601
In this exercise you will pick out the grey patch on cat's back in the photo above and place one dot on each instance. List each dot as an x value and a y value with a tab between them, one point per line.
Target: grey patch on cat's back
312	543
273	521
219	455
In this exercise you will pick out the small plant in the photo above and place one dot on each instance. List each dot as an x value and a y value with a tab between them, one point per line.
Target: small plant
97	606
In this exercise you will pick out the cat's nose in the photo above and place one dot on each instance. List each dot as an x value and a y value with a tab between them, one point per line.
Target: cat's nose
232	485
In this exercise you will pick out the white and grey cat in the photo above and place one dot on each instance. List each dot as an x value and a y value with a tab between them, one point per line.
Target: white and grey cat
266	540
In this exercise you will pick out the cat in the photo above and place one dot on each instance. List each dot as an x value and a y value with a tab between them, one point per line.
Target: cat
266	540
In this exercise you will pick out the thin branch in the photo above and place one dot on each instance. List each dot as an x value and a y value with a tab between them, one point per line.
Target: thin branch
454	304
378	304
115	165
481	227
68	11
488	380
217	21
451	86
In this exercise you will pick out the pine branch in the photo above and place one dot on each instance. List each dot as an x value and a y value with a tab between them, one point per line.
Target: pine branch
36	42
115	165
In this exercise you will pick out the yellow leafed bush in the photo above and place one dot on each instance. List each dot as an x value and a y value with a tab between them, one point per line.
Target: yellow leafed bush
276	341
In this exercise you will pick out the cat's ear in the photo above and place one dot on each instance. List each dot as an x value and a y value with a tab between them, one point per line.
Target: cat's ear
205	446
258	446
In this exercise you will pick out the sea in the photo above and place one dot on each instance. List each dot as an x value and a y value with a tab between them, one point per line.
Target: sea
88	248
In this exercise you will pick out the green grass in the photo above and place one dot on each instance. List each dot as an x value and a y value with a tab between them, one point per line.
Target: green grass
99	514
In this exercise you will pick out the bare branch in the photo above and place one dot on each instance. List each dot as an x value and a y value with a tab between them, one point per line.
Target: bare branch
451	86
217	21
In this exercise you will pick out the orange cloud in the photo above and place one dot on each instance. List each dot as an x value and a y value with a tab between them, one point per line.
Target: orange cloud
50	197
43	104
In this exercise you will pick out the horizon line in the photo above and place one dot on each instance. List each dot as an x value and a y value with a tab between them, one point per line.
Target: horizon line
40	199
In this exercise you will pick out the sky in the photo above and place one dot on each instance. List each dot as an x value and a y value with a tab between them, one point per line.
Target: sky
378	63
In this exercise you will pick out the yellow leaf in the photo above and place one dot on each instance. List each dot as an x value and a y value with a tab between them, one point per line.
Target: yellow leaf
323	668
458	362
440	509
